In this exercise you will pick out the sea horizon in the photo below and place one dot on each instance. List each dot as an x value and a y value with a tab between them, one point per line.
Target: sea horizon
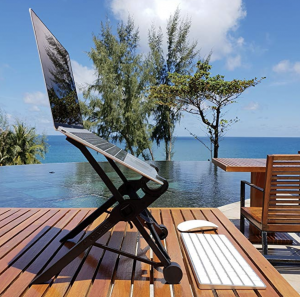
186	148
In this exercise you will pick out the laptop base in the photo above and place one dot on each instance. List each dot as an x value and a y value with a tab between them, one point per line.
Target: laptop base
133	210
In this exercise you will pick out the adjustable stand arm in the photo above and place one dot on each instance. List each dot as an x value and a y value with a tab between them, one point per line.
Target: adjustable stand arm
97	168
130	210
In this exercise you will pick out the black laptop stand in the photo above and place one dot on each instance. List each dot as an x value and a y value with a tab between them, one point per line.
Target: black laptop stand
133	210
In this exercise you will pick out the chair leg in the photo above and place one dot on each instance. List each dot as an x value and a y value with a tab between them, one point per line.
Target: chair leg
242	224
264	240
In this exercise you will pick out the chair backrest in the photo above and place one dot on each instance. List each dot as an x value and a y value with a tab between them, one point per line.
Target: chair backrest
281	203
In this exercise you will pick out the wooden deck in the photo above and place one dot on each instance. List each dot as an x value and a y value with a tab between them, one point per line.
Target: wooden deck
29	240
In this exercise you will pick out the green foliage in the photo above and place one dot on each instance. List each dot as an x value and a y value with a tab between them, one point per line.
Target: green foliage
116	108
62	93
27	145
5	140
203	95
20	145
178	59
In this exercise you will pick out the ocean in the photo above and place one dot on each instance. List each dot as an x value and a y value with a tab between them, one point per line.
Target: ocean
187	149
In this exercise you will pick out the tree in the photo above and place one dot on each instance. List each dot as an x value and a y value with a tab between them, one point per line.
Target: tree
5	140
27	145
203	95
116	108
179	59
20	145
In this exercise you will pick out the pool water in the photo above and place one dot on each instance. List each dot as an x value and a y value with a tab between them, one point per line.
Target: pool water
191	184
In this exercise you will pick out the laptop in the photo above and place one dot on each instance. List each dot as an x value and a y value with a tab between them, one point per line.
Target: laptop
64	102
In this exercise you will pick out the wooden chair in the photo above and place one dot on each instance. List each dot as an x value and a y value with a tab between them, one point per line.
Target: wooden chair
280	211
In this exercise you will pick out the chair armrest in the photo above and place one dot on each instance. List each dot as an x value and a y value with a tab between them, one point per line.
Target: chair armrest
242	196
252	185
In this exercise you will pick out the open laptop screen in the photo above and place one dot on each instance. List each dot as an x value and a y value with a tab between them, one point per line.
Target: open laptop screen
58	77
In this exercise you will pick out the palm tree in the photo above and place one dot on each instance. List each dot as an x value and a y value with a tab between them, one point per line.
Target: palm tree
27	145
6	147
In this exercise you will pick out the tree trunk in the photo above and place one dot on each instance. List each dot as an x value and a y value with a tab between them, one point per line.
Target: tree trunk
216	148
151	153
129	145
216	136
170	151
167	144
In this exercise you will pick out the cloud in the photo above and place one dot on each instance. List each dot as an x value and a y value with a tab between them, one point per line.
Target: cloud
252	106
240	41
256	49
296	67
35	108
233	62
282	83
212	21
282	67
36	98
3	68
44	121
83	75
291	71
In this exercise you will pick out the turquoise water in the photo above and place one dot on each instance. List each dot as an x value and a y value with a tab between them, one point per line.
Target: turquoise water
188	149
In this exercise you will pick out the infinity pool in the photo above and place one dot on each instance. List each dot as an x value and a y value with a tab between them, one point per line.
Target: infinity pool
191	184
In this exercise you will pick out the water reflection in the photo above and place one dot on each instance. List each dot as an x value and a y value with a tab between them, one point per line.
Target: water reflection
191	184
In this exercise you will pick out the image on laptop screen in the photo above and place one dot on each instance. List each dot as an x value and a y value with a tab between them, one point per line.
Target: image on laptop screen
58	76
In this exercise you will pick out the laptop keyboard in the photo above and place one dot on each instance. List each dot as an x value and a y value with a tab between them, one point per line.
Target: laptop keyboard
102	144
217	264
130	161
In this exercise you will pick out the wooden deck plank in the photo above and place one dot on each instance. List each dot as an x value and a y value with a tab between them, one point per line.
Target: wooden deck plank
183	289
23	280
102	282
3	211
18	251
30	255
17	222
9	220
124	273
32	239
22	226
7	214
142	271
161	288
86	274
60	284
13	242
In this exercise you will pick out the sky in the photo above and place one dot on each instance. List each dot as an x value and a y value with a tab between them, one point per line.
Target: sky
248	39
